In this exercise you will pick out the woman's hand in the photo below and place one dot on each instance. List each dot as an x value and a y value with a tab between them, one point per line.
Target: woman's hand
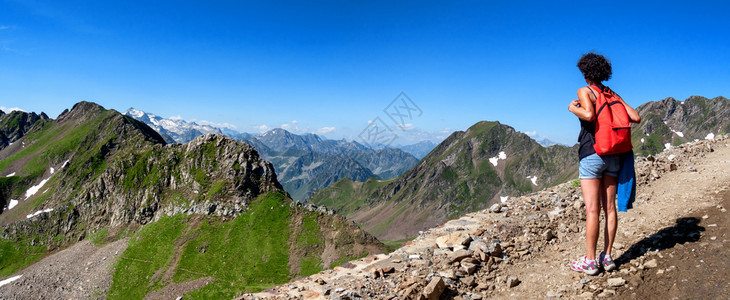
573	104
583	108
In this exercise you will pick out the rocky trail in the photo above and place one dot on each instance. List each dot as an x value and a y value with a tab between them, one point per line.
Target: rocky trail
82	271
672	244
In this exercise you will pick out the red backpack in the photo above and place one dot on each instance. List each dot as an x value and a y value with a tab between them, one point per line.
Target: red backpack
613	130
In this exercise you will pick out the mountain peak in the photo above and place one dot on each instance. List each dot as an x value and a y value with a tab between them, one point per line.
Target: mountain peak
81	111
173	130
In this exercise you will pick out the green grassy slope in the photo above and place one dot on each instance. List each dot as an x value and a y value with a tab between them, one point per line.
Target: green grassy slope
247	254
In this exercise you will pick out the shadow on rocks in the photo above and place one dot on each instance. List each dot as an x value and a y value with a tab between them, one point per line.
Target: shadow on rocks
686	230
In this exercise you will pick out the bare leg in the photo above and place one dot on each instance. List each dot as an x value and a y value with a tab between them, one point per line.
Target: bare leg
591	189
608	202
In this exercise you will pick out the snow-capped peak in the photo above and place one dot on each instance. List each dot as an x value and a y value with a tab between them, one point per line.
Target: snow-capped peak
177	128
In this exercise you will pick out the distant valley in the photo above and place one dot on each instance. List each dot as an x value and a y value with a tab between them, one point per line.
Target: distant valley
304	163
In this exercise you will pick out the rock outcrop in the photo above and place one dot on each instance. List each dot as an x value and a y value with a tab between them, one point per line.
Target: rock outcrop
14	125
670	122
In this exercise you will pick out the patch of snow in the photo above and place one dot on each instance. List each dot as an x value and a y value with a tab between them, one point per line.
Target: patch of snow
13	203
680	134
642	140
9	280
697	140
135	113
503	198
64	164
47	210
53	170
665	122
34	189
11	174
647	134
667	146
495	160
533	179
710	136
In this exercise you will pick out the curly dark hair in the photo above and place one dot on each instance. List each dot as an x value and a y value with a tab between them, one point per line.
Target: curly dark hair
595	67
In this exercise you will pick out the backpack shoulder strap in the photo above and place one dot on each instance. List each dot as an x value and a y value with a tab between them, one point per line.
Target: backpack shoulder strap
599	104
591	87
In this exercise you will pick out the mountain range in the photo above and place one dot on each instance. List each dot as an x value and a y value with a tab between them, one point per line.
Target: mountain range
304	163
211	205
491	162
213	210
468	171
670	122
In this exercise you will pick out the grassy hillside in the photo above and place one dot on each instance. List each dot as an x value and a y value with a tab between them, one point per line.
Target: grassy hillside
209	210
268	245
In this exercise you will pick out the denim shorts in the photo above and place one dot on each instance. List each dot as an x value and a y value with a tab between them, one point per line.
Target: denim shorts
594	166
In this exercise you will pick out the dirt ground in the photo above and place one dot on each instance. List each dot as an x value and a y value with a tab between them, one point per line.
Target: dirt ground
692	269
82	271
679	220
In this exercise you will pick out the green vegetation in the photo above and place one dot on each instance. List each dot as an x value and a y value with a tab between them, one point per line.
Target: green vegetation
149	250
12	120
99	237
16	255
311	240
395	245
217	189
575	183
249	253
341	196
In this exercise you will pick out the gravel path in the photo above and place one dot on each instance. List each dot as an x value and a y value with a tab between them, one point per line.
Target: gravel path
81	271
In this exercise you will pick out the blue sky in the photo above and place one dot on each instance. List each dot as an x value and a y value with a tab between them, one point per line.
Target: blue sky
332	66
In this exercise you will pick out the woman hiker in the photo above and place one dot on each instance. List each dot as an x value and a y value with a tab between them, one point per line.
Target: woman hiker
598	174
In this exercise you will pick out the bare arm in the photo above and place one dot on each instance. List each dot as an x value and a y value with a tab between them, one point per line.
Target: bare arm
583	108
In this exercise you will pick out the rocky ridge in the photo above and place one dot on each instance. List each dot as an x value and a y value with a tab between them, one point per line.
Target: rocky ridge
304	163
139	185
670	122
489	253
15	124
